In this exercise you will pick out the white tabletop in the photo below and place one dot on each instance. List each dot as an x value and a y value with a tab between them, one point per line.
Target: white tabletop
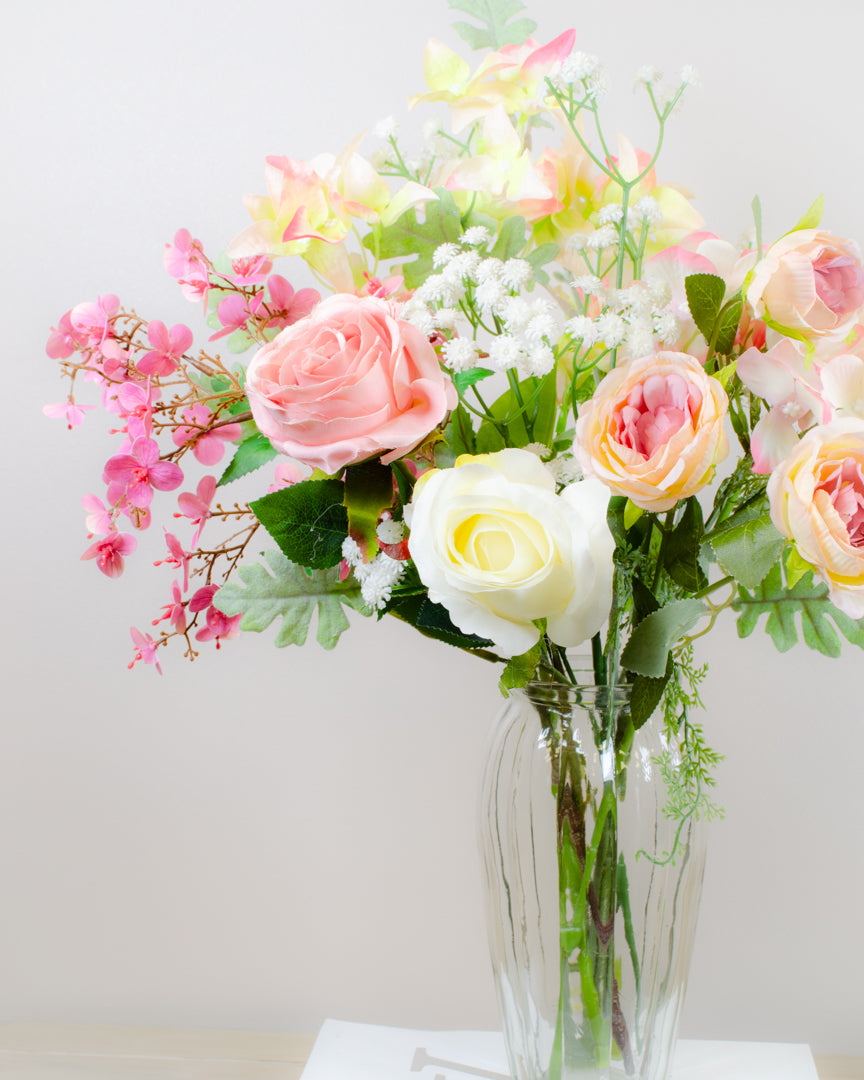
93	1052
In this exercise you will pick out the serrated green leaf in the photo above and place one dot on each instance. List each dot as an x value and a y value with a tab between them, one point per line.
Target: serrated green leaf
307	521
494	15
282	589
727	328
705	294
808	601
250	455
519	670
748	549
647	651
408	236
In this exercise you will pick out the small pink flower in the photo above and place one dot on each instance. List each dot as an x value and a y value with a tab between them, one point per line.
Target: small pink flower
197	507
109	553
145	649
99	521
64	339
219	626
376	287
287	306
203	598
184	260
136	474
234	312
177	557
250	271
175	612
91	321
287	473
67	410
168	348
133	403
209	445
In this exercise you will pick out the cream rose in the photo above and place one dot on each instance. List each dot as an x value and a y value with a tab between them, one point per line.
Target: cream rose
810	282
653	430
495	544
817	501
349	381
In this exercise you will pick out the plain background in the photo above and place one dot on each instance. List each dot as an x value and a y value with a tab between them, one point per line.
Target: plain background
266	838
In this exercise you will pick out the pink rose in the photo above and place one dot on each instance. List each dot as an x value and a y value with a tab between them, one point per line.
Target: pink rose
653	431
349	381
810	282
817	501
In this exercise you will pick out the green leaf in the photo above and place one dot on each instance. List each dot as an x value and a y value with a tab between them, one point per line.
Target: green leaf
493	15
646	694
539	257
632	513
284	589
756	207
307	521
730	317
250	455
459	434
463	379
747	549
536	423
725	374
368	491
647	651
681	549
806	599
705	294
408	236
519	670
511	239
813	216
433	620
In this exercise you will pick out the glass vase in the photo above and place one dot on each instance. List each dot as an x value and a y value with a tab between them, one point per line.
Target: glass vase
593	859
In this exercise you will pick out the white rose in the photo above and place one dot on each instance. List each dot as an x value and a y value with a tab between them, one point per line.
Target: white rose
495	544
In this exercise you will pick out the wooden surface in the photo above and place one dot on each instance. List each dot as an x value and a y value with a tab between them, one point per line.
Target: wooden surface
81	1052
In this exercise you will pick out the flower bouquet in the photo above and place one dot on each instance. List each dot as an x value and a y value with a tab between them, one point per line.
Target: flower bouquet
510	424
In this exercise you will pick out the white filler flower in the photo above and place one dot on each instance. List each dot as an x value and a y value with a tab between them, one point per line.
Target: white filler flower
495	544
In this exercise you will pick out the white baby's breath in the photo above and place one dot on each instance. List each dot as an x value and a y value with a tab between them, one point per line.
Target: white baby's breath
460	354
476	236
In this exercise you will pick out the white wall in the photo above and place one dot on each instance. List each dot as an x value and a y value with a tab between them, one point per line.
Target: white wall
265	838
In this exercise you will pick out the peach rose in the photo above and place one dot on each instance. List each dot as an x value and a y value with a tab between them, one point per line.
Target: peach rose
817	501
653	430
349	381
810	282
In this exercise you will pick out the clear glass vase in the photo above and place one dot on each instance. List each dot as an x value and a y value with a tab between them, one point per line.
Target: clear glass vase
593	865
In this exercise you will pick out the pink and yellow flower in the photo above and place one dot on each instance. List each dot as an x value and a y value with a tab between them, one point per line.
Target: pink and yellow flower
817	501
653	431
809	283
513	77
